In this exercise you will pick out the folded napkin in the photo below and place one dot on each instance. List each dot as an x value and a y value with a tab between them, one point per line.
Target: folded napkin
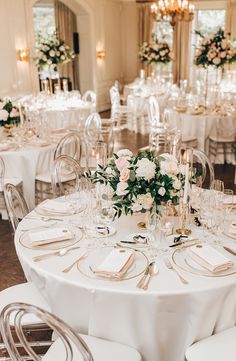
58	234
209	258
51	205
116	264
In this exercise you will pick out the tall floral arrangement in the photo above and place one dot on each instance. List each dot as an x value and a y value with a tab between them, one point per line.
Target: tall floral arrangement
140	181
214	50
9	113
53	52
156	52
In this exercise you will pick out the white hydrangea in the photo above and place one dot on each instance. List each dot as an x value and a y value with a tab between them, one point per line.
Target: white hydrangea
145	169
169	165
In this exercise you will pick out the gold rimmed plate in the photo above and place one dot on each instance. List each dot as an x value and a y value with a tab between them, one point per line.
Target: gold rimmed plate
25	240
97	256
183	260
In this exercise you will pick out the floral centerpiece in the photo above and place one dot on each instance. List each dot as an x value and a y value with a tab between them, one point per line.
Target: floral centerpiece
156	52
214	50
53	52
140	181
9	113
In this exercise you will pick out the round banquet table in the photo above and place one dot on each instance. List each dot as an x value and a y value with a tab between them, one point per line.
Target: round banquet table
199	126
160	322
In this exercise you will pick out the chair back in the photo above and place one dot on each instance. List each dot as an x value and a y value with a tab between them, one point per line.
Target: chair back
66	175
17	311
2	174
93	126
201	160
107	135
16	205
153	112
114	96
91	97
69	145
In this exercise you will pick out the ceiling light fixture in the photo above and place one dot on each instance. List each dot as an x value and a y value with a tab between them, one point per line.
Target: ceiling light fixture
172	10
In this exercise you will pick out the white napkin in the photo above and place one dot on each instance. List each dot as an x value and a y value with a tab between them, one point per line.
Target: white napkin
116	264
209	258
54	206
58	234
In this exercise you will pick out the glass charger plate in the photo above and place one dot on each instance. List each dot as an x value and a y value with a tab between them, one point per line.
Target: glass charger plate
97	256
60	213
25	240
181	259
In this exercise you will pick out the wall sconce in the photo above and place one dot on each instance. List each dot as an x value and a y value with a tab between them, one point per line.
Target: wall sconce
23	54
101	54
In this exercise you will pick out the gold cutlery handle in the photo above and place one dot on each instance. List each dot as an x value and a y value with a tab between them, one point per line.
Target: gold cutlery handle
142	281
182	279
146	283
67	269
44	256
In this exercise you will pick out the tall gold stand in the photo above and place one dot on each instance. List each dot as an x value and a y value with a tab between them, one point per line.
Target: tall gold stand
184	215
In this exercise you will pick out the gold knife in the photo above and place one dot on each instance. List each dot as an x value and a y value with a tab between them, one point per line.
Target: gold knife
230	250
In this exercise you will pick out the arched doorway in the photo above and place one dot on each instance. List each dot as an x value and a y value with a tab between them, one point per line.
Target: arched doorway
84	77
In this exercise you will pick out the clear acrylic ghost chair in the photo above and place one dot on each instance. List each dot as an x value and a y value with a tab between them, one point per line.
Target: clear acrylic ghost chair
97	154
107	135
119	113
218	347
17	182
204	165
16	205
93	127
66	176
91	97
39	333
68	345
70	145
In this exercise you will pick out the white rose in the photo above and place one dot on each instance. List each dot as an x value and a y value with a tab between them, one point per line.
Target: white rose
145	169
121	188
147	201
224	44
177	184
216	61
169	165
52	53
3	115
49	62
162	53
62	48
44	58
2	105
58	53
124	153
63	57
161	191
110	171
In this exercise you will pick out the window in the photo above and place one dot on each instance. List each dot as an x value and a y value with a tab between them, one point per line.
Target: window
44	22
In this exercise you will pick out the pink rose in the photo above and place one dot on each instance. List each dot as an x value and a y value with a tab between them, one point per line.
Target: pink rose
122	163
124	175
223	54
14	113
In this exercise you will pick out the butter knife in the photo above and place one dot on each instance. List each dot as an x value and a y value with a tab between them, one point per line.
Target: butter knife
230	250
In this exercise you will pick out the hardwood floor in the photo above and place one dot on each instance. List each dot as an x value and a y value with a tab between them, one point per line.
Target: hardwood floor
10	268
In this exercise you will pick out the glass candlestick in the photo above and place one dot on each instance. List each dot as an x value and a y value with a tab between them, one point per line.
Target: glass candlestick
184	219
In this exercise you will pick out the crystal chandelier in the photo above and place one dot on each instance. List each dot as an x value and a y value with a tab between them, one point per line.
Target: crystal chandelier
172	10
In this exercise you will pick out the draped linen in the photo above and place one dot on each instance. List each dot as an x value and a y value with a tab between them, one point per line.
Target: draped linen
145	28
230	18
66	25
182	49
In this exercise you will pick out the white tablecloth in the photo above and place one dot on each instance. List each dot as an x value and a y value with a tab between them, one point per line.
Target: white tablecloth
199	126
25	163
161	322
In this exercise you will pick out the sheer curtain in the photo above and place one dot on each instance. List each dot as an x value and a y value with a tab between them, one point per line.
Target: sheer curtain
182	50
66	25
145	26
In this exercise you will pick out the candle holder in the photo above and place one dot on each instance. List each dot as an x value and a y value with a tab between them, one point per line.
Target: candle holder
184	219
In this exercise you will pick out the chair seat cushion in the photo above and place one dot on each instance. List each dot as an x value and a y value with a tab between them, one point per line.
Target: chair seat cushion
222	139
26	293
102	350
46	177
219	347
